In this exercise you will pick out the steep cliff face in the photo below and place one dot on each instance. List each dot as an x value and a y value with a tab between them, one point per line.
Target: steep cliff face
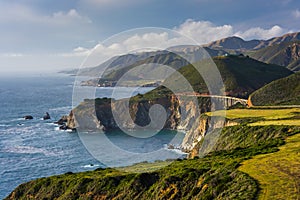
98	114
181	114
202	126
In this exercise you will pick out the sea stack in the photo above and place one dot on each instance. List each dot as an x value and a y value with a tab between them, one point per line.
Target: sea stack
27	117
46	116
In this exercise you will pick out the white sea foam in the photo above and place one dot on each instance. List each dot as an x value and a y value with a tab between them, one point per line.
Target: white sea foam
4	125
27	150
90	166
176	149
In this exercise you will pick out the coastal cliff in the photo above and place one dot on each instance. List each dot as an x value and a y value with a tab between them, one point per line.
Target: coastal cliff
202	126
98	114
181	114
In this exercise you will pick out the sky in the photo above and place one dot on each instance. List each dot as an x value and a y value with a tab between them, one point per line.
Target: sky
52	35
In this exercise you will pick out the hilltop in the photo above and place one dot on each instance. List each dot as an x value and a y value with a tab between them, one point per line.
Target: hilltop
238	44
241	75
285	91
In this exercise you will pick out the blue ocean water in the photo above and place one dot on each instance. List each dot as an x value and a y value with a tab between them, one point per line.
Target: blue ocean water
35	148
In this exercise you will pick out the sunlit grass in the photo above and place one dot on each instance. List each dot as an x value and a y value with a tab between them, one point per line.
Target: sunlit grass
286	116
277	173
145	167
290	122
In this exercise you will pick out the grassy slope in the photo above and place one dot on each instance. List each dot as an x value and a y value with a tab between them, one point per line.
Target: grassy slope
285	91
278	173
215	176
241	75
258	117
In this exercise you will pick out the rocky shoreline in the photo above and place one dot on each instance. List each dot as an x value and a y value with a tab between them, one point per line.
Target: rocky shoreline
96	115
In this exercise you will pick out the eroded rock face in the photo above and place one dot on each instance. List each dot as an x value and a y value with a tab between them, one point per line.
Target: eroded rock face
203	126
46	116
93	115
181	114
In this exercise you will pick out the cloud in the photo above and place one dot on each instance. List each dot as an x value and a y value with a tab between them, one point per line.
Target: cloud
296	13
26	29
204	31
140	40
20	13
200	32
260	33
71	15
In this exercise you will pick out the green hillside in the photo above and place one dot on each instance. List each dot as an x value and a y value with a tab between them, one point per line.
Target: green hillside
285	91
216	176
241	75
151	71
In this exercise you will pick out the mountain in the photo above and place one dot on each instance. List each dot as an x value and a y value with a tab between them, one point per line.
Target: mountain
234	43
127	60
116	62
285	91
284	54
241	75
238	44
151	70
230	45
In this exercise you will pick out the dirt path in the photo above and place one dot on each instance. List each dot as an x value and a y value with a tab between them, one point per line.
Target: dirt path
278	173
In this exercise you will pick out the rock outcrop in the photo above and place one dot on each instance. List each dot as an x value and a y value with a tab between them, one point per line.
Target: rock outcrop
204	125
181	114
27	117
46	116
98	114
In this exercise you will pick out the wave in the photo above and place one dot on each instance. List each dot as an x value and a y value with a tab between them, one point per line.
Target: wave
28	150
90	166
4	125
11	120
175	149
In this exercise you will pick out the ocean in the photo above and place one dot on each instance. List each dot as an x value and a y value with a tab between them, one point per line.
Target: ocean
31	149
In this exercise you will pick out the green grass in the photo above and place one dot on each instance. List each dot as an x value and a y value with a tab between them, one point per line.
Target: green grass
146	166
278	173
241	75
285	91
257	117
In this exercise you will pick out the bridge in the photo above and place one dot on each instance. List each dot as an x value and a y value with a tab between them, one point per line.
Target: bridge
226	101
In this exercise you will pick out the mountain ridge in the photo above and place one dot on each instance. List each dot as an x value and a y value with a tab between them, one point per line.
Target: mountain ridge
237	43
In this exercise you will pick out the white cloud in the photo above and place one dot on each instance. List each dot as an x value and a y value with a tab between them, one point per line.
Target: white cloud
20	13
153	39
260	33
296	13
204	31
71	15
142	39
